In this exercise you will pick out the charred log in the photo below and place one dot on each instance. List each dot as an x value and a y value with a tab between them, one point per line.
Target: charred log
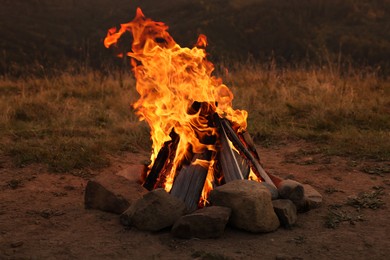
161	161
247	139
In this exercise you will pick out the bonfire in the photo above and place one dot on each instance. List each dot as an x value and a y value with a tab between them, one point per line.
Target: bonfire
204	168
199	139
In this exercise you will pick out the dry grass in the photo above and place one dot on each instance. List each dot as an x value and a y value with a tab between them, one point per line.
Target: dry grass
73	121
348	114
371	200
69	121
337	216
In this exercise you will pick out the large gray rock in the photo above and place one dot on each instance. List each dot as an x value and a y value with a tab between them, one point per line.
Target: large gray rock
286	212
294	191
208	222
250	203
154	211
112	193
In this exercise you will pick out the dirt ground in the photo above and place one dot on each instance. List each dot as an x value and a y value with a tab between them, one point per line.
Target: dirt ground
42	215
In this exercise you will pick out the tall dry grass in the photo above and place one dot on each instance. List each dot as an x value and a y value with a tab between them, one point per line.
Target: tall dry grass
69	121
349	113
72	121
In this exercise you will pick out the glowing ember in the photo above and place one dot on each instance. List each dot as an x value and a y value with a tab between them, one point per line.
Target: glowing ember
170	79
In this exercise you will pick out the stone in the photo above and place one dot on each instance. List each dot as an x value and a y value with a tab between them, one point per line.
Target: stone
112	193
156	210
208	222
292	190
250	203
133	173
312	197
272	189
286	212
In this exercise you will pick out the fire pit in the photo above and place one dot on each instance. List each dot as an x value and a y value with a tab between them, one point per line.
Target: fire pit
203	158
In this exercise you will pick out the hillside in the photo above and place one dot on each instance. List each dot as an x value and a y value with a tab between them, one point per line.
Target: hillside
45	34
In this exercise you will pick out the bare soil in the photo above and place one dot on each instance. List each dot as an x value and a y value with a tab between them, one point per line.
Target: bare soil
42	215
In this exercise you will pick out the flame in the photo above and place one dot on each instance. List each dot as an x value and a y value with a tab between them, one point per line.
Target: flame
169	79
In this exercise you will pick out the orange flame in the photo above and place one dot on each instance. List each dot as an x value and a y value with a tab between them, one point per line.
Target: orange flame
169	80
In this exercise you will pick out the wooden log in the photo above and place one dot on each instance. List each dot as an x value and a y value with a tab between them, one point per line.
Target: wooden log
158	164
228	161
247	139
243	163
236	140
188	184
161	161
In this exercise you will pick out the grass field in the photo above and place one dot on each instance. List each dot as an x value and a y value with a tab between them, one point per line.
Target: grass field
73	121
69	121
343	114
305	70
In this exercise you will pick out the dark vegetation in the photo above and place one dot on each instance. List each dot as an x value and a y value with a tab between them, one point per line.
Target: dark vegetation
39	36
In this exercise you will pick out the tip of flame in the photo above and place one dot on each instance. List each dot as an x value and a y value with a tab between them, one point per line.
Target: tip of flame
113	34
202	41
108	41
139	13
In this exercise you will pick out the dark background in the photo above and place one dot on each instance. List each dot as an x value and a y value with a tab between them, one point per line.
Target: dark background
52	35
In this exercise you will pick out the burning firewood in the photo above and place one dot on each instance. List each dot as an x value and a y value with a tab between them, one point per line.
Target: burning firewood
164	154
242	148
230	167
189	182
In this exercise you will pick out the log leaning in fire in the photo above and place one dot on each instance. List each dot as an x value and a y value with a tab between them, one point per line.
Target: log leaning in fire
157	166
188	184
234	138
230	166
246	137
160	161
243	163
